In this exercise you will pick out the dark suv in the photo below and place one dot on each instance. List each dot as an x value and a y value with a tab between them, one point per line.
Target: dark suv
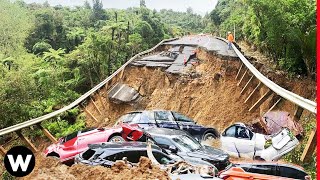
168	119
181	144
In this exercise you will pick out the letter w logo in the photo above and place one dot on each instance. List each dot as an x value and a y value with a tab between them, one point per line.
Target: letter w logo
19	162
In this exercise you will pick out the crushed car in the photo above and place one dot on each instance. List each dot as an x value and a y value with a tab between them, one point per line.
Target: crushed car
238	140
69	146
260	170
180	143
168	119
107	154
274	121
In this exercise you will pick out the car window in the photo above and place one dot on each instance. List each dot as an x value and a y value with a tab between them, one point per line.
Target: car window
88	154
127	118
161	158
242	133
144	119
87	130
69	137
162	115
291	173
163	141
186	143
231	131
136	118
180	117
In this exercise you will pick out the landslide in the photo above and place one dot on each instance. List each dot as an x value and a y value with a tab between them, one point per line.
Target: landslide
208	93
50	168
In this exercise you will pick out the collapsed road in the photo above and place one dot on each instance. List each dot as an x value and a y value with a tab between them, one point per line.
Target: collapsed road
212	102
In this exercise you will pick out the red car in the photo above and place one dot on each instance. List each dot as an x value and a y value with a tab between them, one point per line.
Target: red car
77	142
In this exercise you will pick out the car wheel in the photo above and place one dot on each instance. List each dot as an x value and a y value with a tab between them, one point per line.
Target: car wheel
209	136
116	139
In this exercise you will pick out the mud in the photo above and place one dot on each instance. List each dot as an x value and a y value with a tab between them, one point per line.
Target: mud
51	169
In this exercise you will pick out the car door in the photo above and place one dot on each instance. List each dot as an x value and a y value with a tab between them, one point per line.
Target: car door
244	143
90	137
164	119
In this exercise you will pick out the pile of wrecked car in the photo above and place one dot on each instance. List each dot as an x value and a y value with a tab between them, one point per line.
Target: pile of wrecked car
173	142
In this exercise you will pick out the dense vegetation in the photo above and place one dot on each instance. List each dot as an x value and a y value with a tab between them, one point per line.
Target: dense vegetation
51	55
285	30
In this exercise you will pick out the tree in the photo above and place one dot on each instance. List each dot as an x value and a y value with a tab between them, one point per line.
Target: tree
53	55
40	47
143	4
97	11
87	5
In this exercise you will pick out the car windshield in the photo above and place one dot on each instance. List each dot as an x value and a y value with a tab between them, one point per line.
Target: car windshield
186	143
127	118
68	137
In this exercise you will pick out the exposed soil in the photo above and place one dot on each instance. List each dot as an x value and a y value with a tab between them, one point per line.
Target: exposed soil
51	168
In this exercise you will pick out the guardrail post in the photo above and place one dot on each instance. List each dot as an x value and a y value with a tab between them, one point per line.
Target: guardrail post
274	105
121	73
239	71
310	147
95	105
27	141
3	151
244	74
261	100
247	85
254	90
106	86
297	114
89	113
100	99
47	133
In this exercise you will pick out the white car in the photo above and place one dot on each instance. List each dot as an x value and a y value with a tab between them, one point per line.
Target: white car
238	140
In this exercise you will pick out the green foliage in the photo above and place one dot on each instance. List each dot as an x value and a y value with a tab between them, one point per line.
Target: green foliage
7	176
285	30
62	128
40	47
15	26
51	55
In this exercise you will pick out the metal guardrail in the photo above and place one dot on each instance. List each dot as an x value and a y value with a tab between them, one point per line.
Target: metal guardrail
290	96
37	120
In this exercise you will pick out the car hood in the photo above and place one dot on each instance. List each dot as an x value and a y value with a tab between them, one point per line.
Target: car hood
209	153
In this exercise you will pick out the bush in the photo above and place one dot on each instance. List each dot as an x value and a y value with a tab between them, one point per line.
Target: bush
62	128
40	47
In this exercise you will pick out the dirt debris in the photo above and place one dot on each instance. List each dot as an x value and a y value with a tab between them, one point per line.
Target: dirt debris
52	169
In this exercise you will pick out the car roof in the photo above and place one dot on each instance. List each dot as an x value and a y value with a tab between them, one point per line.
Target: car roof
140	111
165	131
123	145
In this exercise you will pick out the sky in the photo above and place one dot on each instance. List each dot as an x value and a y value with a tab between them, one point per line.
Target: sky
198	6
